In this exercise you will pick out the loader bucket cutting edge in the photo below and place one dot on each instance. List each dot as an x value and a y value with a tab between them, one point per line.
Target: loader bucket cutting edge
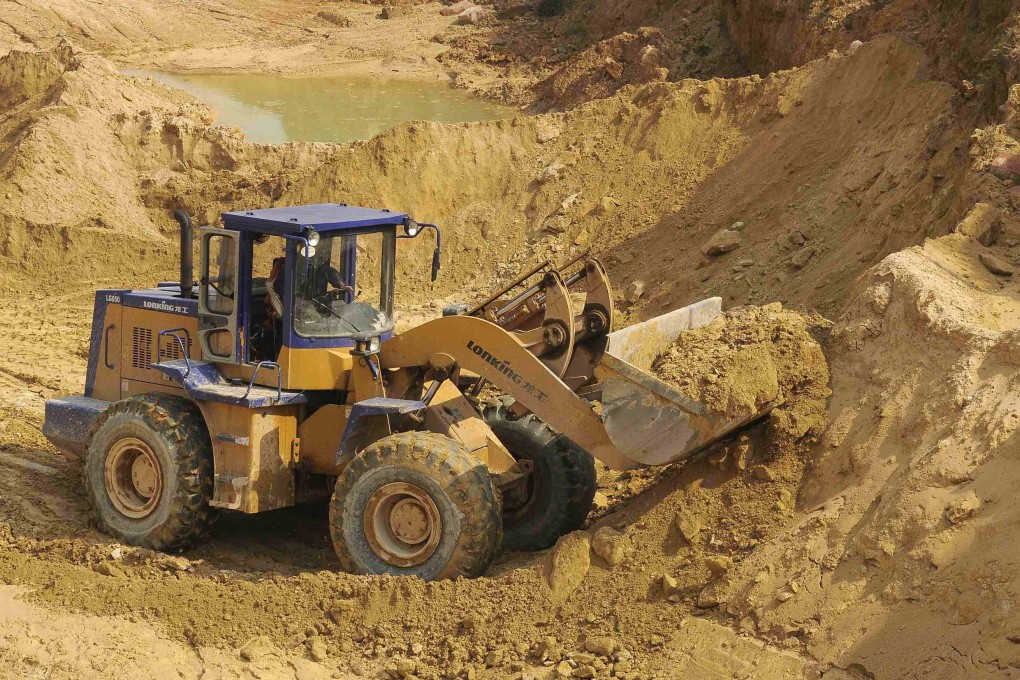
648	420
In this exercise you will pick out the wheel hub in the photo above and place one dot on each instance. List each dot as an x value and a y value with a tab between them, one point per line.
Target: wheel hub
133	478
402	524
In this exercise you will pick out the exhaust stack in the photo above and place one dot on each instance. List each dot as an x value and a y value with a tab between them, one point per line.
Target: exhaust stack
187	265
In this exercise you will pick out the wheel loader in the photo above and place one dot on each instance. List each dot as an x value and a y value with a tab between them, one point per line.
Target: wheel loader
276	379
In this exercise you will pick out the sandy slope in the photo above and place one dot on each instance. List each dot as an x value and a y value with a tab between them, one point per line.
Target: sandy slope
234	35
885	549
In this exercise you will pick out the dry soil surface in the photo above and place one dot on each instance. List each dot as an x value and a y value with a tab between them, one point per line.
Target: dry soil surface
872	184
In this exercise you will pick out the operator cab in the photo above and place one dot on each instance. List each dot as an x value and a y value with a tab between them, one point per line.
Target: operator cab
302	277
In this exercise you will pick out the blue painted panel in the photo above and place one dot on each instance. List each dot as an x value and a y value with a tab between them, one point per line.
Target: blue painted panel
376	406
203	382
322	217
68	420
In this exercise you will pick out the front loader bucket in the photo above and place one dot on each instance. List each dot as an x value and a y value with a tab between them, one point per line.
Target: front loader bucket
649	421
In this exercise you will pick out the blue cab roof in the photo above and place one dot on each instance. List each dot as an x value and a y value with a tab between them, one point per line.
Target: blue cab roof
320	216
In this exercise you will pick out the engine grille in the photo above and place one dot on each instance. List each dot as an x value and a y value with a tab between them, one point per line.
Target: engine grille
141	347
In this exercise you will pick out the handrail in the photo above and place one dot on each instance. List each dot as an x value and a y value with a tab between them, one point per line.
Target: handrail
106	346
173	333
279	379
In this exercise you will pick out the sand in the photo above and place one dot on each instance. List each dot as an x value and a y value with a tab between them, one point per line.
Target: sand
870	535
748	360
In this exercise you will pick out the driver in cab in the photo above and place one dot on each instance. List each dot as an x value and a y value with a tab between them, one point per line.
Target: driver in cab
321	276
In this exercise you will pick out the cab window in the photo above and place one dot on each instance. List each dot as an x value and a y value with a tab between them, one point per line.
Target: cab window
347	286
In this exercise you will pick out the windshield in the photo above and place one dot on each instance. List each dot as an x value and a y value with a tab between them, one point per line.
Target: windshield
347	288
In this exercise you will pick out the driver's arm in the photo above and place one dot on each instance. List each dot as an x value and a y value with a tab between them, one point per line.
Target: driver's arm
337	281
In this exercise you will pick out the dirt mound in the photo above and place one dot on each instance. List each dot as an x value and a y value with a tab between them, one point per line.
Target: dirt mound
749	358
904	526
604	68
659	164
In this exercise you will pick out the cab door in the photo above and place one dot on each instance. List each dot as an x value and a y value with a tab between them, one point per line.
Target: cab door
218	297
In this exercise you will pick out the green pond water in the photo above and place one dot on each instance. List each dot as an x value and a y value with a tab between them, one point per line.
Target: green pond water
275	109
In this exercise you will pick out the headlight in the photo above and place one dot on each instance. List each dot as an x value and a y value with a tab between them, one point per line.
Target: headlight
411	228
312	237
374	345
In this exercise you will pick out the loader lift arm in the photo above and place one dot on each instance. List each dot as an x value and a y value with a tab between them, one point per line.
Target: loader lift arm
643	421
499	357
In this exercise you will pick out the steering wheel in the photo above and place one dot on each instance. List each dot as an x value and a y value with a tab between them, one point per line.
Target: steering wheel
338	294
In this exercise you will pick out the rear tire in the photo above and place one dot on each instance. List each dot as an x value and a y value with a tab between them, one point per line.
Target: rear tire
415	504
148	472
562	487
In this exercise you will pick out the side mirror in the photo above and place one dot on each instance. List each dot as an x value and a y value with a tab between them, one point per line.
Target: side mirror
412	229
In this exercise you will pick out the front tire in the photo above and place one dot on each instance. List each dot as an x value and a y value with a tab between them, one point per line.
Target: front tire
561	487
415	504
149	472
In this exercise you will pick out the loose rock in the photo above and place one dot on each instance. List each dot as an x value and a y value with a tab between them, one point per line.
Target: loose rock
551	172
256	648
603	646
456	8
635	289
719	564
611	546
472	16
108	569
801	257
723	241
983	223
688	526
394	11
569	564
963	509
996	265
317	649
614	69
